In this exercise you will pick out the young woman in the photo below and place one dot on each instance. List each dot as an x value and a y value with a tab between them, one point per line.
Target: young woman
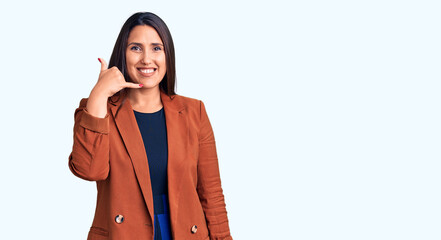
151	152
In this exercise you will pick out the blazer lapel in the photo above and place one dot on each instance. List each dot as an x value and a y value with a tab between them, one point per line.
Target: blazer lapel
177	138
128	128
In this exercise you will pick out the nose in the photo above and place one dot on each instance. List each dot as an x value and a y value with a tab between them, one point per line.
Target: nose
145	58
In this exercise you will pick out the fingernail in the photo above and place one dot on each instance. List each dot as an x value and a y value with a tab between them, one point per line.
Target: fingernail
99	59
141	85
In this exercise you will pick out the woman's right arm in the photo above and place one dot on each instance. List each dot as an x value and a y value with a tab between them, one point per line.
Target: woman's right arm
89	158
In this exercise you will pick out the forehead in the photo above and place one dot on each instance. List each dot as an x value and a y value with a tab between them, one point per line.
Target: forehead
144	34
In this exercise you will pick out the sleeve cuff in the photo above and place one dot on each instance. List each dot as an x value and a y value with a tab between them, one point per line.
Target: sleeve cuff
95	124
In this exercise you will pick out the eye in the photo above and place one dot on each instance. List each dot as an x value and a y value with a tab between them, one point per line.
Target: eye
135	48
157	48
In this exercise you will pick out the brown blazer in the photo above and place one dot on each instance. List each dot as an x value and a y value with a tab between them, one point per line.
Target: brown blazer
110	151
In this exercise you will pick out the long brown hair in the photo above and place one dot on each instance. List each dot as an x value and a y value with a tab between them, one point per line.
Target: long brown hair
118	58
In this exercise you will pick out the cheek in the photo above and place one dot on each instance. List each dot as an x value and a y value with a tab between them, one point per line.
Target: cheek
130	59
161	61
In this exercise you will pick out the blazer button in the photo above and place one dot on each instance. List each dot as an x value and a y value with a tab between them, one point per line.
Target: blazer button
119	218
194	229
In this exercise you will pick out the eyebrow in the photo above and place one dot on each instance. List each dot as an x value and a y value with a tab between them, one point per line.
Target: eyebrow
154	44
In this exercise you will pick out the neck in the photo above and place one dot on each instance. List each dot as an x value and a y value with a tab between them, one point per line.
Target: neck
145	100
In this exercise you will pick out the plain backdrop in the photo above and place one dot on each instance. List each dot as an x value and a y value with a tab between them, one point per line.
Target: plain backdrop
326	114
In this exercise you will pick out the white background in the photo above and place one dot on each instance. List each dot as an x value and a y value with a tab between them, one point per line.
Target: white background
326	113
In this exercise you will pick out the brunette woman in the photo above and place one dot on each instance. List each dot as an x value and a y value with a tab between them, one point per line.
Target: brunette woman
151	151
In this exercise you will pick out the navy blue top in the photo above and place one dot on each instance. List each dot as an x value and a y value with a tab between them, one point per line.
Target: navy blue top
154	135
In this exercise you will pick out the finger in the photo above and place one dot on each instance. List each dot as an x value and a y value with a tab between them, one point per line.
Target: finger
132	85
103	64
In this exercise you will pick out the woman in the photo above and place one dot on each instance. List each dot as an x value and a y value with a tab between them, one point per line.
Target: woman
151	152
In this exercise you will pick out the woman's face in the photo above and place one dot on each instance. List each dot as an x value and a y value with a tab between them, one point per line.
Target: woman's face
145	56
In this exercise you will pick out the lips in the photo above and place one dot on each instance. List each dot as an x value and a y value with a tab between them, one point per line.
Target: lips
147	72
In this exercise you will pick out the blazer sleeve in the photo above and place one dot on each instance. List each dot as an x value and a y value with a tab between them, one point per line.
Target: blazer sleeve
209	182
89	158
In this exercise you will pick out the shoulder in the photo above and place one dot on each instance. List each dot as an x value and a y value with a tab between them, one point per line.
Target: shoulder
192	105
188	101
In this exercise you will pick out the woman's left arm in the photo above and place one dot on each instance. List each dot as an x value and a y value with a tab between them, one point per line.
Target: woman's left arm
209	183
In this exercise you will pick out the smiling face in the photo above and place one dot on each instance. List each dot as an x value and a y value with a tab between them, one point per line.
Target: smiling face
145	56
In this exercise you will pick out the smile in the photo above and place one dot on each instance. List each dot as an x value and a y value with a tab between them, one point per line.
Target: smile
147	72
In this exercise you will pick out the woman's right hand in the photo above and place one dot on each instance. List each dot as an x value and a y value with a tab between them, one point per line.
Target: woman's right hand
110	81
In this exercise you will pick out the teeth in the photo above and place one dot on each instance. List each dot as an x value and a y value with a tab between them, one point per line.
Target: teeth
150	70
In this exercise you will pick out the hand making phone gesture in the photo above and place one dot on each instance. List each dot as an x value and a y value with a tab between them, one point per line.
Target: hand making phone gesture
110	81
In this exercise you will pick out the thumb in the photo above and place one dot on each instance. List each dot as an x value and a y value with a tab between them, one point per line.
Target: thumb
103	64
